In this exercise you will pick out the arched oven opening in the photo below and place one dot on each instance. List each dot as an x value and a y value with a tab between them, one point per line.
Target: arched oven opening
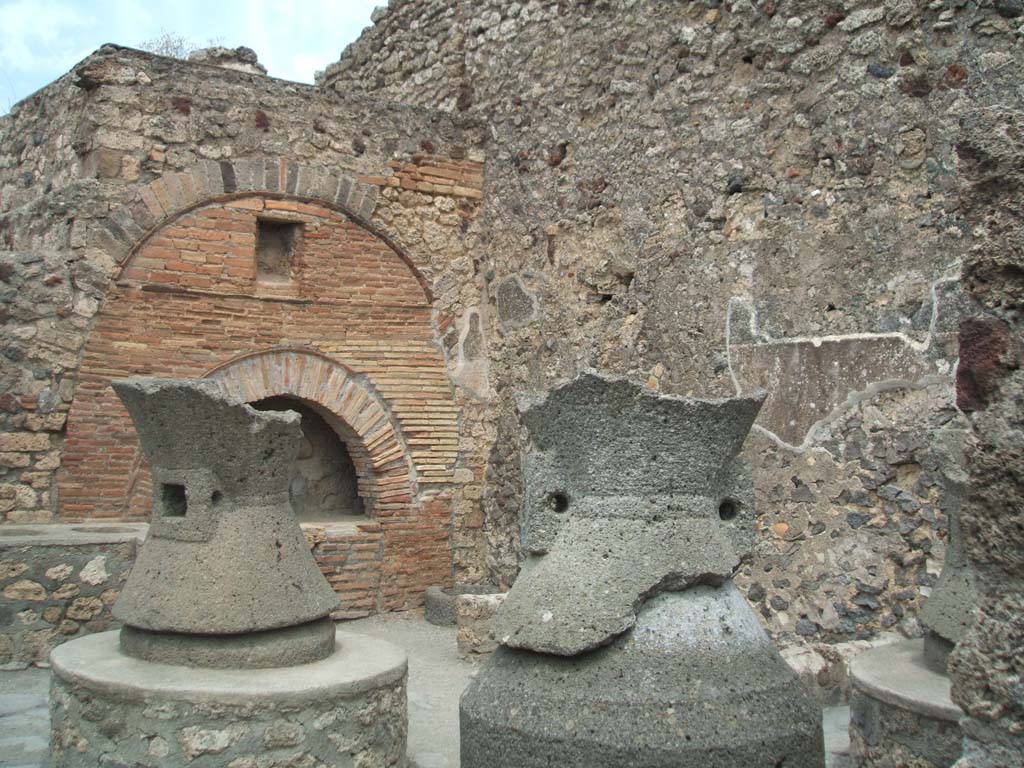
324	486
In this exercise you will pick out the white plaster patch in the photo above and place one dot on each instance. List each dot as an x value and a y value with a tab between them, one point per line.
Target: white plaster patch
871	389
95	571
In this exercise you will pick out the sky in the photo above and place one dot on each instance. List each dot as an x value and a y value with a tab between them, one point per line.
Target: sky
40	40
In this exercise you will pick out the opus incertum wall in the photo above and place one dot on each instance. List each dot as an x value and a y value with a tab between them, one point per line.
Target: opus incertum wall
274	295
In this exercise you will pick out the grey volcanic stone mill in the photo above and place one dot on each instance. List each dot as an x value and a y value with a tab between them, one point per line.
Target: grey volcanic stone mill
226	578
624	640
228	647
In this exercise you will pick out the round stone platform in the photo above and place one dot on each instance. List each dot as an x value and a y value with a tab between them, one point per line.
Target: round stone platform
349	708
901	712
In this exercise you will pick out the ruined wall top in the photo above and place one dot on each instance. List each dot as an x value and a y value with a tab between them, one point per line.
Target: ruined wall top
128	117
241	59
453	53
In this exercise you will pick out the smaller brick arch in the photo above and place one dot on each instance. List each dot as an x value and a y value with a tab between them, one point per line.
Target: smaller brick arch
348	401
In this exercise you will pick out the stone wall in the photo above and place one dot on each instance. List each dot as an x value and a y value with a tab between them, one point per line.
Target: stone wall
987	666
883	734
713	196
57	583
348	709
364	730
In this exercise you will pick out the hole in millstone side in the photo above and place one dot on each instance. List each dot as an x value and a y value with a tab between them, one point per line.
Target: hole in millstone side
728	510
558	501
215	497
174	501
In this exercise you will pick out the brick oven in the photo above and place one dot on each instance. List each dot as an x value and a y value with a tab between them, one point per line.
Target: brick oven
285	300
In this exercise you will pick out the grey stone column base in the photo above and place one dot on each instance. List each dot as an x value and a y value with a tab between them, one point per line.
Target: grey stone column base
285	647
107	708
901	713
695	684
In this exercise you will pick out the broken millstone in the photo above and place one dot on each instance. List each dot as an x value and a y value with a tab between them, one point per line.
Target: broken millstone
951	606
627	489
624	640
225	578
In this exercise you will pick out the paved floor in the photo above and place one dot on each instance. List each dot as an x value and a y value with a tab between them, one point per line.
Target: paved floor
437	677
24	718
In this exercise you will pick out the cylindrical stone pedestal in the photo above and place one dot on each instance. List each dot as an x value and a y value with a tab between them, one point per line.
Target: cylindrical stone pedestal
107	708
901	713
696	683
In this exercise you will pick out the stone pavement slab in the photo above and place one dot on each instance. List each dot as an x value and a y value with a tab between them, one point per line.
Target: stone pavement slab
24	718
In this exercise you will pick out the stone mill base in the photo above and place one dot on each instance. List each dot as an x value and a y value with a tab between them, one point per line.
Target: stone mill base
108	709
901	713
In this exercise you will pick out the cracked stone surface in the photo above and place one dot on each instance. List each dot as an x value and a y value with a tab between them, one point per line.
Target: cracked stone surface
225	560
623	489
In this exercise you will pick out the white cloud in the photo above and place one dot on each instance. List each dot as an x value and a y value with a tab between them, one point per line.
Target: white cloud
37	35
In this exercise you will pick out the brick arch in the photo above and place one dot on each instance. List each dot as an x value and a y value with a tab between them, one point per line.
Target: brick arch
350	401
353	298
174	194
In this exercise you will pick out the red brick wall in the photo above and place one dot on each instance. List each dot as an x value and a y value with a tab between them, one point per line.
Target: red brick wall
434	176
355	317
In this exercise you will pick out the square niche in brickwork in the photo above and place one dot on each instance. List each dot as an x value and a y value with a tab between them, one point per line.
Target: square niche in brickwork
276	246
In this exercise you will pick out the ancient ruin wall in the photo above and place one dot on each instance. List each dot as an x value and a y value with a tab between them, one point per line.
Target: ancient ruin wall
127	143
987	665
705	195
712	196
58	583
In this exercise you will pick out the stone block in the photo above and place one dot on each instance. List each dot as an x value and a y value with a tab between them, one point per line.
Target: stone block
104	163
23	442
272	175
474	616
25	590
516	307
213	178
440	601
14	460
